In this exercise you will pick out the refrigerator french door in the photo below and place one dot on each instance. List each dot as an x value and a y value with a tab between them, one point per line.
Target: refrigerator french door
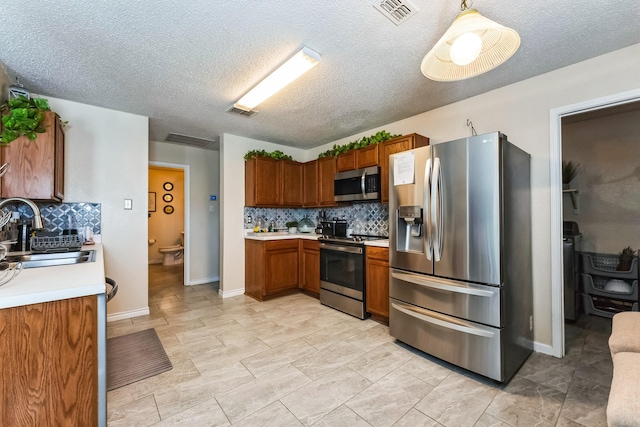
460	253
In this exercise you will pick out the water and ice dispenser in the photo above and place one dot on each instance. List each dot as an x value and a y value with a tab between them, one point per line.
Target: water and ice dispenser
409	229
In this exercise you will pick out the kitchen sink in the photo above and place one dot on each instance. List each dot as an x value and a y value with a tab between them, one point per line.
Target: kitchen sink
52	259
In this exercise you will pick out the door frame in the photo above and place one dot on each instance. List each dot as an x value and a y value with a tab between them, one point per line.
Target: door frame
187	204
555	183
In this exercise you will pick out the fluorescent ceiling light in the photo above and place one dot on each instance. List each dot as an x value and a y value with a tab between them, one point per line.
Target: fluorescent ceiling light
471	46
297	65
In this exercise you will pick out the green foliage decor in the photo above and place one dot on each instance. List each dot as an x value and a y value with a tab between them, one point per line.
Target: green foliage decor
361	143
278	155
291	224
24	117
569	171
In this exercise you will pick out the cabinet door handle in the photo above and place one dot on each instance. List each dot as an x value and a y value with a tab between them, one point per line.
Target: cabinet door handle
3	169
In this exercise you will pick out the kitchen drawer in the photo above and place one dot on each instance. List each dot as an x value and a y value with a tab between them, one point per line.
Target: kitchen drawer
279	245
477	303
466	344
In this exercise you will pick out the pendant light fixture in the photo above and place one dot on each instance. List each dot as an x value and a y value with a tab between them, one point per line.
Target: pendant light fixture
471	46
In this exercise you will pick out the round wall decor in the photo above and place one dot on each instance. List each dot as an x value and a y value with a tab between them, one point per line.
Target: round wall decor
168	209
167	198
167	186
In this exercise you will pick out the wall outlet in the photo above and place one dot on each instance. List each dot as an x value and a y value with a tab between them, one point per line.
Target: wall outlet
531	323
128	204
249	219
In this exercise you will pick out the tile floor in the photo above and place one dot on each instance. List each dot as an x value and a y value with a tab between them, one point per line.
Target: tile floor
293	362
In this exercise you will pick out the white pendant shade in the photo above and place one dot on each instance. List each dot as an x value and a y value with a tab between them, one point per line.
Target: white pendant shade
498	43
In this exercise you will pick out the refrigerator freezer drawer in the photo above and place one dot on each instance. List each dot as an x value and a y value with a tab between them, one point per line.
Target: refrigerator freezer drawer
477	303
465	344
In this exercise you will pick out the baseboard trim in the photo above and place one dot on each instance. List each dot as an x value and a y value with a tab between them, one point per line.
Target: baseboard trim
127	314
203	281
543	348
232	293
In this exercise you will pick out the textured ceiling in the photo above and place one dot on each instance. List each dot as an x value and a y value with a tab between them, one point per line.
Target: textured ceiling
183	64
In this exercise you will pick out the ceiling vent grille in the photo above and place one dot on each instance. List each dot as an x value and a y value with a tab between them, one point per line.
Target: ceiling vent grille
397	11
240	112
188	140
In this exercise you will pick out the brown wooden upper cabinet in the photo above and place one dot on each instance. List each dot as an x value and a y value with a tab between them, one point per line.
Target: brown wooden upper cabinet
36	168
358	159
292	185
262	177
392	146
311	185
326	175
346	161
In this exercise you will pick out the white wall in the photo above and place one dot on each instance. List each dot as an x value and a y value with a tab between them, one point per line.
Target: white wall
520	110
232	151
204	180
4	84
106	161
608	149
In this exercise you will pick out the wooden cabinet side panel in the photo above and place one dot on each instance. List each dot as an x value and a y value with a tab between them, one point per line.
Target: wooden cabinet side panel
58	179
250	182
31	164
310	178
378	282
326	175
291	190
48	355
254	268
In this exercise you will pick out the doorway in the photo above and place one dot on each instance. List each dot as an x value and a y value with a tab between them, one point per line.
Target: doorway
556	120
169	218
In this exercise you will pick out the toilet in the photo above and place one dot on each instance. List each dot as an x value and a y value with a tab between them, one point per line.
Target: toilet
173	255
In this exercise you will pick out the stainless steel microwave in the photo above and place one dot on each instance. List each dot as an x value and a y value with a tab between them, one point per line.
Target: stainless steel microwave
359	184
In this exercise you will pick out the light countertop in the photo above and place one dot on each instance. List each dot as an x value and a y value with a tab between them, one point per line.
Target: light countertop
379	243
44	284
280	235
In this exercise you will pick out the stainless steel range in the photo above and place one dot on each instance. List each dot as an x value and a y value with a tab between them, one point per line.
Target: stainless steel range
342	273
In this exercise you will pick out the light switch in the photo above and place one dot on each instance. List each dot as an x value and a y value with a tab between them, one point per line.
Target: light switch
128	204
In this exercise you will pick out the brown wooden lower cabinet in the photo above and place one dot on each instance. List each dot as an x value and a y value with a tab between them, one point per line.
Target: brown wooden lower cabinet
271	267
378	282
310	266
49	363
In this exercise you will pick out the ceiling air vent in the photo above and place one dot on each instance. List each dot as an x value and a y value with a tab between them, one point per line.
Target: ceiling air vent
397	11
240	112
188	140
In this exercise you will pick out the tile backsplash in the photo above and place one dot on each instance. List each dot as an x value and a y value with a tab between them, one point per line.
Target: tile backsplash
55	216
363	218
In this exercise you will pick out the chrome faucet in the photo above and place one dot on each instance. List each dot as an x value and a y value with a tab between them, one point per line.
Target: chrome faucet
37	217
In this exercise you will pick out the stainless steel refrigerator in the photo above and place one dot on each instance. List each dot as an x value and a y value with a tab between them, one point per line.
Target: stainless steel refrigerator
460	253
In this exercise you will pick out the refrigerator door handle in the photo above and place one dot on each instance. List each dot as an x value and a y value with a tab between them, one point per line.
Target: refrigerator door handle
428	241
440	320
436	210
434	283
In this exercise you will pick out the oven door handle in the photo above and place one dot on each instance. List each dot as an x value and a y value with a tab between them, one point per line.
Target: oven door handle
337	248
439	320
436	284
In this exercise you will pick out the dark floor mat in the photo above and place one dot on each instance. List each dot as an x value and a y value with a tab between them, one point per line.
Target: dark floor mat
134	357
